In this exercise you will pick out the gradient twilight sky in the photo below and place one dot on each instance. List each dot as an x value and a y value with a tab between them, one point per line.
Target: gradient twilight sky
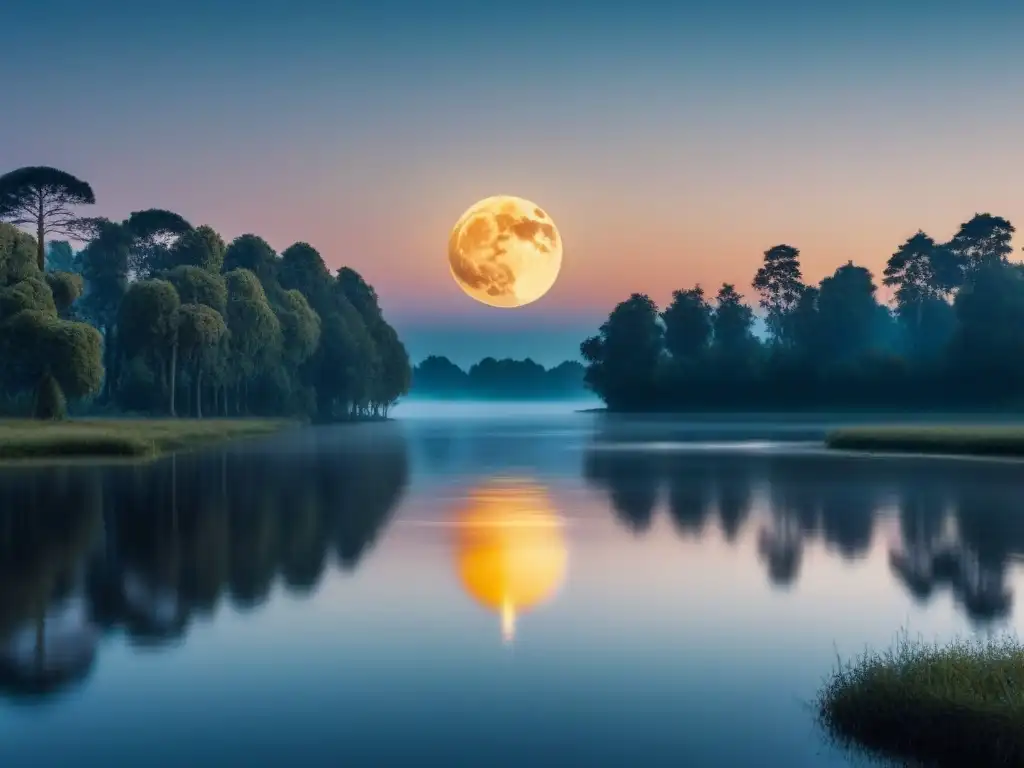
671	142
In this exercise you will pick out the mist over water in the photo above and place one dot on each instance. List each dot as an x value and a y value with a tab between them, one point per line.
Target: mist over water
516	583
429	408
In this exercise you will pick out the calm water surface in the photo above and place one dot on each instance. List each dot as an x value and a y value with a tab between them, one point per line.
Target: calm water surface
527	588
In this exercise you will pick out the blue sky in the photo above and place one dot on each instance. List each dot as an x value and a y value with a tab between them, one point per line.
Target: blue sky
672	142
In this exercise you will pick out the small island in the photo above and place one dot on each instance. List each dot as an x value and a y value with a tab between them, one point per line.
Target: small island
156	324
491	379
955	705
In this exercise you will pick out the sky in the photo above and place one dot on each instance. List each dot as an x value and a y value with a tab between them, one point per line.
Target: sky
672	143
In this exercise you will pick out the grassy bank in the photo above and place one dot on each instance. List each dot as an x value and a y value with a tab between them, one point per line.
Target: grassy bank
955	705
122	438
950	439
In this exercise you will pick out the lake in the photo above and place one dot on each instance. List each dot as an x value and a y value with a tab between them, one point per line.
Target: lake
485	586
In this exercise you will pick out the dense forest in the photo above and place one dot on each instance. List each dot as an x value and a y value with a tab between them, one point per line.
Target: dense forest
155	315
952	337
497	379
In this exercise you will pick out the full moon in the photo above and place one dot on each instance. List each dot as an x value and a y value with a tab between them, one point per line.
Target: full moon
505	252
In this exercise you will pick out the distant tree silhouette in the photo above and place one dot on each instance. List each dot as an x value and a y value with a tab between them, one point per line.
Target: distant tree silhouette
780	284
954	336
497	379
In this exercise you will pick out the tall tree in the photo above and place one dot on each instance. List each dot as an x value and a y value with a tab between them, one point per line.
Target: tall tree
302	268
201	247
687	324
732	326
990	336
396	373
300	328
154	232
804	324
255	331
624	357
848	313
253	253
915	270
780	284
983	239
198	286
200	331
43	198
105	263
910	271
147	323
359	293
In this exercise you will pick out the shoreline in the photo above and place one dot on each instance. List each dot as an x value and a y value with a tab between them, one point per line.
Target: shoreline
988	441
128	440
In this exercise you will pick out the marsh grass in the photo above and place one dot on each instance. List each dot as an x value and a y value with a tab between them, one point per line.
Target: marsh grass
956	705
122	438
961	439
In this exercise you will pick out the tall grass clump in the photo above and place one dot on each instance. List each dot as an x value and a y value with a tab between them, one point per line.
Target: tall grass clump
960	704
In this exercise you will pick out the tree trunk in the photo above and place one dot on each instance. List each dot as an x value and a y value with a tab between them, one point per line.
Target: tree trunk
40	234
199	393
174	374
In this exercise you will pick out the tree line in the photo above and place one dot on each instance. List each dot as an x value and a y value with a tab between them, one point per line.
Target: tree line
158	316
438	376
952	336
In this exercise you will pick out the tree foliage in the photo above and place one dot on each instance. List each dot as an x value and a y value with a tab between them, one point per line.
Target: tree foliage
153	232
201	247
198	286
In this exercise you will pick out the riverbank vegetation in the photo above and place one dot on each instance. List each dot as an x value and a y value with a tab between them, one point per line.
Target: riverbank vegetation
124	438
965	439
961	704
497	379
156	316
953	336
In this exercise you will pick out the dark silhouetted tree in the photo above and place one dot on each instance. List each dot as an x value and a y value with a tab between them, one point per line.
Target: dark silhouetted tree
780	284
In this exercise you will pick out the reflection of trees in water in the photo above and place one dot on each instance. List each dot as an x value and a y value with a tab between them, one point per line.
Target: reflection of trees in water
182	535
631	479
47	519
959	525
961	536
